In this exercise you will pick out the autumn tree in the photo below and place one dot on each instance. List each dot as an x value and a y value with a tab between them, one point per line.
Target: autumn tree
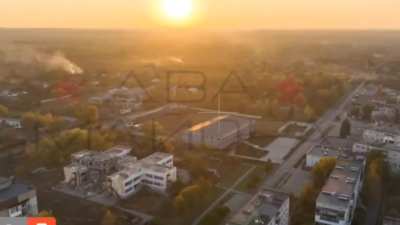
3	110
322	170
309	113
109	218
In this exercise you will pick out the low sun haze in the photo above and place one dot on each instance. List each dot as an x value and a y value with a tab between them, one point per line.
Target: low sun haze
204	14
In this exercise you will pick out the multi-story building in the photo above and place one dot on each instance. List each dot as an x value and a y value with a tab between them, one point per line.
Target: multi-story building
220	132
17	199
117	171
268	207
89	162
338	199
155	171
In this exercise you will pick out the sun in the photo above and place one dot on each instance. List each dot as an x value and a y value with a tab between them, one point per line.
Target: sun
177	10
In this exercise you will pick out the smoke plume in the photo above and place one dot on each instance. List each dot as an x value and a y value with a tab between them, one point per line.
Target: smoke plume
30	56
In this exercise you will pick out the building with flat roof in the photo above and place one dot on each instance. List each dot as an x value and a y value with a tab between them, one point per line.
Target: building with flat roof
266	207
120	173
338	199
156	171
220	131
17	199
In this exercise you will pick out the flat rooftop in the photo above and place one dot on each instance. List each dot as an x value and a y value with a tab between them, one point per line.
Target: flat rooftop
262	207
156	157
340	186
220	126
280	148
13	190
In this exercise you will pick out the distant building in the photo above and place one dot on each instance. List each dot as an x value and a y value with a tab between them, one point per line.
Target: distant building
125	99
391	151
266	207
338	199
17	199
220	132
391	220
11	122
377	136
384	114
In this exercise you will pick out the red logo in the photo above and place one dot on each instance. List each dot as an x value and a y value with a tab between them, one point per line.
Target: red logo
42	221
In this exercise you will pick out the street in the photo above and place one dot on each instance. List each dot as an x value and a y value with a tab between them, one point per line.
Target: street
287	168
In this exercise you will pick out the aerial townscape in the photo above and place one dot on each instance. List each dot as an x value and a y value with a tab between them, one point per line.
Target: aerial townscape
195	121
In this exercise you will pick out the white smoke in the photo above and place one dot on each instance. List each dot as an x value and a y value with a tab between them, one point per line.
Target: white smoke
164	61
30	56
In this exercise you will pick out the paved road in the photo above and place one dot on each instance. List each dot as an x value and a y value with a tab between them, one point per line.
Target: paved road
226	193
323	124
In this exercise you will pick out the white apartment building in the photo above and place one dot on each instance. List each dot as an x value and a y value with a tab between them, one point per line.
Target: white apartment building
156	171
269	207
338	199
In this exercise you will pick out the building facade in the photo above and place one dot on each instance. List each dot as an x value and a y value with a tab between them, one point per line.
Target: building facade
17	199
339	196
156	171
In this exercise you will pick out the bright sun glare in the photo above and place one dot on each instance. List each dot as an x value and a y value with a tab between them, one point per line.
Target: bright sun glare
178	10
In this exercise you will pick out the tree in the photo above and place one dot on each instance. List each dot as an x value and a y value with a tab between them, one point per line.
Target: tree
322	169
3	110
367	112
345	129
309	113
88	114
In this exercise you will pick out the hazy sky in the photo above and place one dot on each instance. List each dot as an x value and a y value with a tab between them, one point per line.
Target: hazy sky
228	14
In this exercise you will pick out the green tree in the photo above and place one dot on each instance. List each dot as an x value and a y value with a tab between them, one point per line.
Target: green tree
345	129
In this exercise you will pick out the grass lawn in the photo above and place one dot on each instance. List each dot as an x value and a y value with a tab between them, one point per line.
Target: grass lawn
248	151
168	216
231	174
246	185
